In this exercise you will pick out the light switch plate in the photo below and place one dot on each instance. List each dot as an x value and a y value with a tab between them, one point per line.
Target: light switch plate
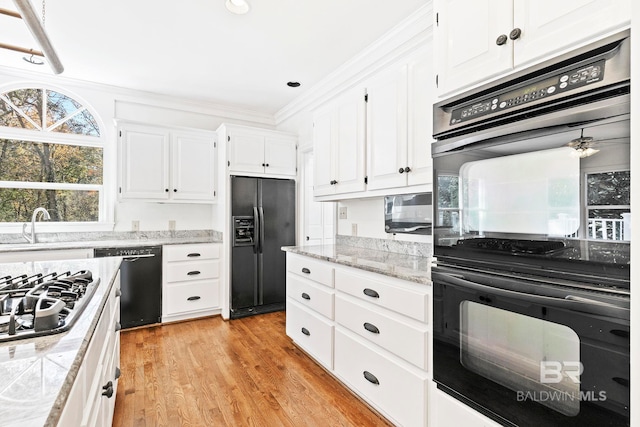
342	212
172	225
135	225
354	229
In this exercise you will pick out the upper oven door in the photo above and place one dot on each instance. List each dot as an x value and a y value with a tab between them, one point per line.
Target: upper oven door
529	354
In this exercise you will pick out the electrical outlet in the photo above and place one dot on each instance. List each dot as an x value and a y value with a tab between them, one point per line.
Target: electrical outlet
354	229
172	225
342	212
135	225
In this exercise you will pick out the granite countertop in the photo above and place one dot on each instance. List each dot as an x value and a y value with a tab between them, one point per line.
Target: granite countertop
109	241
37	373
407	267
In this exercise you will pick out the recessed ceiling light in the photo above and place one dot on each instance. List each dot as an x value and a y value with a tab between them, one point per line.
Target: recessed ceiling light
293	84
239	7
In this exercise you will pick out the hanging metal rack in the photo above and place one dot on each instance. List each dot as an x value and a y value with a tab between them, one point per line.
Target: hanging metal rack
30	18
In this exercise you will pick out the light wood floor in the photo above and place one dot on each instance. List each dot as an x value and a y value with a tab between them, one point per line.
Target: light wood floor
245	372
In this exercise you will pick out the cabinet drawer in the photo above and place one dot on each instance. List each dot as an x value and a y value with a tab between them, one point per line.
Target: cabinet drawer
402	336
399	390
311	332
192	271
191	252
192	296
318	298
318	271
394	294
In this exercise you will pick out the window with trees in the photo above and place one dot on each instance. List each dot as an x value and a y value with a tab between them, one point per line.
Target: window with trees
51	155
608	205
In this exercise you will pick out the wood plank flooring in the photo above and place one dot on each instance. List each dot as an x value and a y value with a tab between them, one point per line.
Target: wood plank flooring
244	372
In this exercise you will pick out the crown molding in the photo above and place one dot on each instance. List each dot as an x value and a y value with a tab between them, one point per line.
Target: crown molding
121	94
408	36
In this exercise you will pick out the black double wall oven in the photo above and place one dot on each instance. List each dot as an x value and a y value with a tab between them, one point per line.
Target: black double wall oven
532	243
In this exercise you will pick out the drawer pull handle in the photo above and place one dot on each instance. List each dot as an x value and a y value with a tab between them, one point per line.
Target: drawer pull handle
193	298
193	273
305	270
306	296
622	381
371	378
118	326
118	373
620	333
371	328
371	293
305	331
193	255
118	293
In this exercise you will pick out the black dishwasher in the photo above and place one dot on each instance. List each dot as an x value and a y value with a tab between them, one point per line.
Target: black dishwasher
140	283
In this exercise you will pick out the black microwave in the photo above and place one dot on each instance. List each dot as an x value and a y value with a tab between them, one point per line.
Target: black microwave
408	213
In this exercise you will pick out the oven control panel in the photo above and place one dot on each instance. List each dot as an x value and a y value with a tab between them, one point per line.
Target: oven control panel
545	87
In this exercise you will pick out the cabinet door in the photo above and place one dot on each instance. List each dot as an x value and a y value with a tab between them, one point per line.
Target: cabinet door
280	155
348	144
387	129
465	37
246	152
421	97
550	26
144	163
322	145
193	167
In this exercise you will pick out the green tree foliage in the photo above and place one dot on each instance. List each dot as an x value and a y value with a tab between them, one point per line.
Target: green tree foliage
47	162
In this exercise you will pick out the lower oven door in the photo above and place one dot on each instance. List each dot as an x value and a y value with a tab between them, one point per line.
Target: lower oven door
524	354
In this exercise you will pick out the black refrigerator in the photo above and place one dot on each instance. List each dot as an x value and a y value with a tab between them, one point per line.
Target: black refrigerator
263	215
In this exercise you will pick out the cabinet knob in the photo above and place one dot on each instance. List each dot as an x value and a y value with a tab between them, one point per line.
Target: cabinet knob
401	170
175	190
407	169
502	39
267	165
118	293
515	33
305	296
263	165
108	389
166	190
305	331
118	326
307	238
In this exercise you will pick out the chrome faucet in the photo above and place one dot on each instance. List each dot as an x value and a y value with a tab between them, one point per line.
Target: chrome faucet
45	216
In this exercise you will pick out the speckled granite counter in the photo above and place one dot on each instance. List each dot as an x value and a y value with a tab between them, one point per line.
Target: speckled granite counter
36	374
407	267
111	240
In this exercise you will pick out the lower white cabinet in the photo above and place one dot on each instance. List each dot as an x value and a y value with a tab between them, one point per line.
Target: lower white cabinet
190	281
369	330
445	411
92	398
310	331
396	388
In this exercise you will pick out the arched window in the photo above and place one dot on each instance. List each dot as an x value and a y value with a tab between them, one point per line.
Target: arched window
51	155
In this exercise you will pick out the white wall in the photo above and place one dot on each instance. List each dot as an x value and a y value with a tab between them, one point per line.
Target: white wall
111	104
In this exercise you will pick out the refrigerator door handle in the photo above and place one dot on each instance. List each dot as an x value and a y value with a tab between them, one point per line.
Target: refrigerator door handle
256	230
261	231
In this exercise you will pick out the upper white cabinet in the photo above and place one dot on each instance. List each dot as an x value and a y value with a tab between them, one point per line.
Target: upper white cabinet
166	165
260	151
339	145
475	41
399	125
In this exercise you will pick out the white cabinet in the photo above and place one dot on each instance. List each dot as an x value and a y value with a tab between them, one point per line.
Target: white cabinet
190	281
310	299
399	125
91	401
369	330
476	41
446	411
166	165
339	145
260	151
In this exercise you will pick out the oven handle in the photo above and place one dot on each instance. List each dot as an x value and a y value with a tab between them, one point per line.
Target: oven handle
584	305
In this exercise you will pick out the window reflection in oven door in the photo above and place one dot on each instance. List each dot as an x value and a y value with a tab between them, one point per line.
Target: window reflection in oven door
527	354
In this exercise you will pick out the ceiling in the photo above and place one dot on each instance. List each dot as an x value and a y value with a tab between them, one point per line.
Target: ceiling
197	50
